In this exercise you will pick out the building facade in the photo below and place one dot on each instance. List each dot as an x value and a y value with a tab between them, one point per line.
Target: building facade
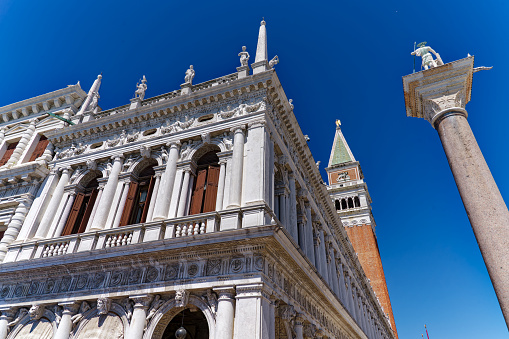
200	209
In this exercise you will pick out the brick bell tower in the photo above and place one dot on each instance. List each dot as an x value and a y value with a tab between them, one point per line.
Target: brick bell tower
351	198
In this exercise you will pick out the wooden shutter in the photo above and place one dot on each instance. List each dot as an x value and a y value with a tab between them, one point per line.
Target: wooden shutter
147	200
2	234
8	152
209	204
197	198
129	203
40	148
73	216
88	211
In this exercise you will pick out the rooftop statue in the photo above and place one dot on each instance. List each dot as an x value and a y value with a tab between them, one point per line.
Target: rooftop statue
141	88
427	59
244	56
189	75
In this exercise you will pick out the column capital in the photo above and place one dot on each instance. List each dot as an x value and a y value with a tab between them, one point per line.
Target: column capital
70	307
174	144
436	92
238	129
142	301
119	157
256	124
227	292
9	312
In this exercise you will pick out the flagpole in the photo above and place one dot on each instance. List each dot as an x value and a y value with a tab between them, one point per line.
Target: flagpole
414	57
426	330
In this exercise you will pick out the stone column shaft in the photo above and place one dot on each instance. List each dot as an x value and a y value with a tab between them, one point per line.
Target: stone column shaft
237	167
65	214
164	193
153	199
483	202
139	317
121	205
65	325
293	209
183	194
220	187
108	194
309	235
94	209
225	313
14	226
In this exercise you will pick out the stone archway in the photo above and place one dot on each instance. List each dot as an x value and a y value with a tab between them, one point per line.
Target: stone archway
193	320
28	328
114	325
163	317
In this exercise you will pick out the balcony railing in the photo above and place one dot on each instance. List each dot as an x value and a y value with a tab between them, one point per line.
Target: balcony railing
187	226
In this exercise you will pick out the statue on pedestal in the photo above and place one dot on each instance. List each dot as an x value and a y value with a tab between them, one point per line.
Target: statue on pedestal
189	75
141	88
427	59
244	56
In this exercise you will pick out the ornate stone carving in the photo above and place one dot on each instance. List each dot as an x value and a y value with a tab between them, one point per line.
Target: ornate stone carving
274	61
228	142
434	106
309	331
103	306
188	79
140	89
244	56
91	165
145	151
154	306
211	298
286	312
22	312
36	312
181	298
84	307
178	125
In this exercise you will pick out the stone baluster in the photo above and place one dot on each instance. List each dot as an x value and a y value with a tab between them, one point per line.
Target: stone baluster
153	199
65	325
139	317
225	312
14	226
49	214
105	205
292	202
235	196
220	187
65	214
22	144
164	193
7	316
299	326
184	191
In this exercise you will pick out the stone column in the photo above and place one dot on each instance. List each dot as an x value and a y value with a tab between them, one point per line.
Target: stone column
96	204
220	187
299	326
22	144
7	316
309	234
252	312
323	255
237	167
14	226
65	214
164	193
49	214
444	108
177	188
121	205
292	225
105	205
153	199
139	317
334	273
65	325
183	193
225	312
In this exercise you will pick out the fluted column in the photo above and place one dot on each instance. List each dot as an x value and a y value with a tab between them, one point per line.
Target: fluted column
65	325
299	326
108	194
22	144
183	193
14	226
65	214
7	316
220	187
225	312
164	193
293	208
237	167
139	317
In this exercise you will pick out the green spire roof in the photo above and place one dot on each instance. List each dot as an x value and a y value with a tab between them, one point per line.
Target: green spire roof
340	152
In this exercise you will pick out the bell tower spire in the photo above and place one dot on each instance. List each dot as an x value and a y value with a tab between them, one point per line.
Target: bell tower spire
261	63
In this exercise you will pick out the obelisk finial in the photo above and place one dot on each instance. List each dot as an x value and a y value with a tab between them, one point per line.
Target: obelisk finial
261	48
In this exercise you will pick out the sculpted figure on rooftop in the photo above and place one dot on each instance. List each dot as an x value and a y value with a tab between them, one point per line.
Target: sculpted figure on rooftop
189	75
244	56
141	88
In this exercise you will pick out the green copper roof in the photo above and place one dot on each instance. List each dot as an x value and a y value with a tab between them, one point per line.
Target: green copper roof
340	152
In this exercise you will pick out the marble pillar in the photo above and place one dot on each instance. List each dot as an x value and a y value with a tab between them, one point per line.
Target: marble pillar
237	167
252	312
7	316
220	187
309	234
439	95
175	196
164	194
139	317
153	199
65	214
225	312
292	202
14	226
121	204
96	205
323	255
65	325
107	196
299	326
183	193
49	214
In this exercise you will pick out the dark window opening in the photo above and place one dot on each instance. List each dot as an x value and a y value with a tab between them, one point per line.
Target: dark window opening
40	148
343	204
81	209
337	204
350	203
138	198
357	202
205	186
8	152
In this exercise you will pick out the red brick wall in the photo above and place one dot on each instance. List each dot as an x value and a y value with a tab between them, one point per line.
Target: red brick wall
364	242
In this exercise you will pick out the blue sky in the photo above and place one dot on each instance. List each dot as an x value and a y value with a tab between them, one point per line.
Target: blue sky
338	60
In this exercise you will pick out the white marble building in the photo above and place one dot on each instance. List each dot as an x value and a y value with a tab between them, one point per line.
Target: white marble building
200	208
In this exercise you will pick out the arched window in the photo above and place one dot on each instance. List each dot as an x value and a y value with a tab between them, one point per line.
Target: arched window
357	202
138	198
350	203
81	209
205	186
343	204
338	205
40	148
